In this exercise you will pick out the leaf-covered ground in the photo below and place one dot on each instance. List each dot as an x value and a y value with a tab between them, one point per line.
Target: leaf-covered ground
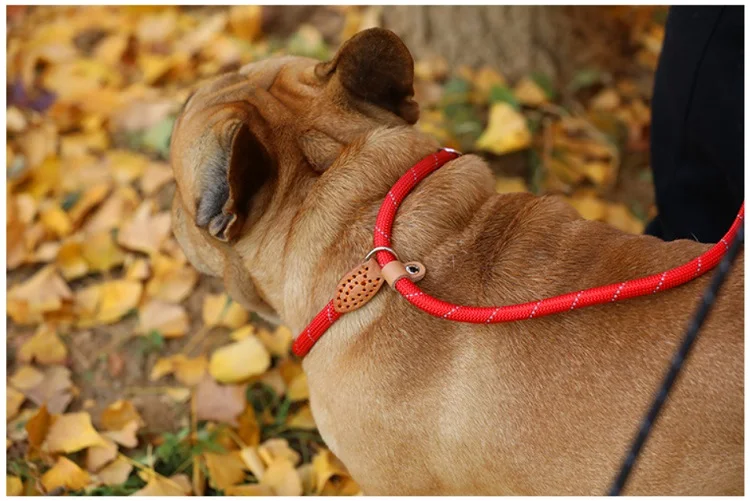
128	373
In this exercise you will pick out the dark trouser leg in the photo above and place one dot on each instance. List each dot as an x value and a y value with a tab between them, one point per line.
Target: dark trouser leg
697	132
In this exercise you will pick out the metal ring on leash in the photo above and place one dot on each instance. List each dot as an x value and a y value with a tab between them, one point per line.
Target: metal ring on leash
381	248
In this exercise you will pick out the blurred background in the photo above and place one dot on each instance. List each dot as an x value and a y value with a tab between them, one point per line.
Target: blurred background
130	373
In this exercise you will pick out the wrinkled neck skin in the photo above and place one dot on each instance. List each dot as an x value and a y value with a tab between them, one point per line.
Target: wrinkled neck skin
320	226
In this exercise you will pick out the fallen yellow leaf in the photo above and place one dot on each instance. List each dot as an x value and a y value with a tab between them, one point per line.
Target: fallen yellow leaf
302	419
224	470
506	131
44	292
37	427
249	490
117	298
282	478
326	465
65	474
145	232
171	280
56	221
239	361
278	342
13	486
298	389
71	433
100	455
219	309
242	332
44	347
253	462
115	473
101	252
119	414
26	378
528	92
70	259
170	320
126	436
13	401
277	448
245	21
510	185
163	486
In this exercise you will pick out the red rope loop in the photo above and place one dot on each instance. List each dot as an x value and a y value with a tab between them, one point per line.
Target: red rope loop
571	301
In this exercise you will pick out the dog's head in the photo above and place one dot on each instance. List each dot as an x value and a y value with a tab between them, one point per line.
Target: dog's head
244	138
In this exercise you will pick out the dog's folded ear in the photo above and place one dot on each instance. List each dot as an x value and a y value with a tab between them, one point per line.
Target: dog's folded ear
237	172
376	66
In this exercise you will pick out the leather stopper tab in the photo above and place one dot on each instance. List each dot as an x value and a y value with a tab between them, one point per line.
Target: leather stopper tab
395	270
358	287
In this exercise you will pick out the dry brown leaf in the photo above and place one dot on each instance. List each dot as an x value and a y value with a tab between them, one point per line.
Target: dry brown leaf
221	403
282	478
100	455
44	292
54	391
219	309
13	402
224	470
126	436
145	232
154	177
72	432
44	347
170	320
65	474
239	361
115	473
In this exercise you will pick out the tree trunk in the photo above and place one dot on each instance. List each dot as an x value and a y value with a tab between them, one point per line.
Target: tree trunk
515	39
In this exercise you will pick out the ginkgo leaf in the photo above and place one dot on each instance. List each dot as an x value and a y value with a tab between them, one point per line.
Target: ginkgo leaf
277	342
248	429
188	371
298	389
282	478
219	309
54	391
221	403
108	302
100	251
253	462
145	232
44	347
170	320
224	470
126	436
44	292
249	490
13	401
242	332
510	185
70	260
239	361
72	432
154	177
529	92
326	465
163	486
119	414
100	455
171	280
13	486
116	472
65	474
277	448
506	131
26	378
245	21
37	427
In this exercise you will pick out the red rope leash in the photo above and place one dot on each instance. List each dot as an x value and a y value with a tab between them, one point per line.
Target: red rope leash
490	314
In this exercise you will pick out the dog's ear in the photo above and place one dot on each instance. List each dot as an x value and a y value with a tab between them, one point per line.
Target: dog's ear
237	172
375	65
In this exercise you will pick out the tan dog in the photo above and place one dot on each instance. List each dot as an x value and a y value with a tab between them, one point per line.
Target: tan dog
281	168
